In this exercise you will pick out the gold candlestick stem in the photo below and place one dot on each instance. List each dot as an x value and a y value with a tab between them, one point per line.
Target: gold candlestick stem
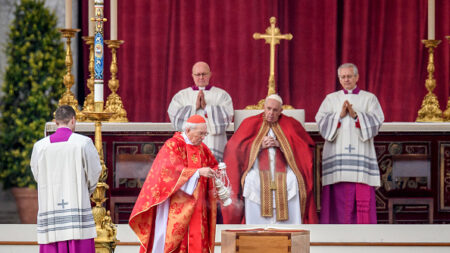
430	111
68	98
114	102
446	113
106	230
88	105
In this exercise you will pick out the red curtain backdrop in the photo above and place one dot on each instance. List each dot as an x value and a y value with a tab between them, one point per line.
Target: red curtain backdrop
163	39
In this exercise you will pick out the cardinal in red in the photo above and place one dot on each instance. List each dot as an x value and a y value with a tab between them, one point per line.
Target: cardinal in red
176	208
269	163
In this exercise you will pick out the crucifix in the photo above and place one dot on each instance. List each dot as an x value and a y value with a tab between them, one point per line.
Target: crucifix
272	37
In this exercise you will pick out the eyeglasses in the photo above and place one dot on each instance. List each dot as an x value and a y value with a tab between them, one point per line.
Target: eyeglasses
204	134
346	77
201	74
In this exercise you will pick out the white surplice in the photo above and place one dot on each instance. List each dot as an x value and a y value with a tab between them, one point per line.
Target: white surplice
218	114
67	173
349	152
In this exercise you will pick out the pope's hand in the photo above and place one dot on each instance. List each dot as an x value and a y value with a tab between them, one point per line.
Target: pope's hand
206	172
269	142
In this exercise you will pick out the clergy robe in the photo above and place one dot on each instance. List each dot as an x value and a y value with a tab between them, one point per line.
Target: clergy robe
189	218
66	167
218	114
244	150
349	162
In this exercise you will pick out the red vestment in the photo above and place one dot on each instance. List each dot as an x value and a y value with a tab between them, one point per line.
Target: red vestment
191	224
243	148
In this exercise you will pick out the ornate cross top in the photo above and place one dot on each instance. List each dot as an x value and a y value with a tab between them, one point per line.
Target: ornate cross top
272	37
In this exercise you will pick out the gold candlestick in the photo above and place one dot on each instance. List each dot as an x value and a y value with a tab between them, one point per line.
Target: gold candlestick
114	103
430	111
446	113
68	98
106	230
88	105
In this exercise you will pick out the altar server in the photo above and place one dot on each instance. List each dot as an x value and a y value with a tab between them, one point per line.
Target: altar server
213	103
66	167
349	120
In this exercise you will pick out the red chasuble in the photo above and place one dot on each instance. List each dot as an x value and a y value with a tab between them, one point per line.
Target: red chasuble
243	148
191	223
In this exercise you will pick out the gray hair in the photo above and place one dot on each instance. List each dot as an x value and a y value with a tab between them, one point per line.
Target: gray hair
188	125
274	97
348	65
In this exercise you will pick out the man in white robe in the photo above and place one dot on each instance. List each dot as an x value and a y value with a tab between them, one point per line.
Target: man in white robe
269	164
66	167
349	120
213	103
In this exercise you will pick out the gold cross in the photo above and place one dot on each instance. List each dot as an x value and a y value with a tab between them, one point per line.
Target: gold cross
272	37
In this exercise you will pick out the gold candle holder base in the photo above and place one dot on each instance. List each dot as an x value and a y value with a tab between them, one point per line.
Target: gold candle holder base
106	230
430	111
114	102
88	105
68	98
446	113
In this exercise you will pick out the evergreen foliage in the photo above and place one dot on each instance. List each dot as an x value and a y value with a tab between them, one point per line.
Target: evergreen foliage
31	89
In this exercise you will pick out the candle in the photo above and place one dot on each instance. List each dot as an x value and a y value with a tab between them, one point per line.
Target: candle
98	91
91	24
68	14
431	19
113	19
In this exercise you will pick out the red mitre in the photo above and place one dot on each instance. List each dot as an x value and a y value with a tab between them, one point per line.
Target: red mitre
196	119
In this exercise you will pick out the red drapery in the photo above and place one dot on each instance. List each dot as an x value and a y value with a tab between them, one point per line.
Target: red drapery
163	39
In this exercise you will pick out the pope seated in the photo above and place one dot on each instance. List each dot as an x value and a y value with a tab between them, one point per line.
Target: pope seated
270	166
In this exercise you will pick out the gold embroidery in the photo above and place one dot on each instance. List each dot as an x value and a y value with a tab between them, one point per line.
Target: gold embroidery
194	158
254	150
289	155
281	197
266	194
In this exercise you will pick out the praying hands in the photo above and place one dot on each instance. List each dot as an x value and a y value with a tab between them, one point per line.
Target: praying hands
201	102
269	142
348	108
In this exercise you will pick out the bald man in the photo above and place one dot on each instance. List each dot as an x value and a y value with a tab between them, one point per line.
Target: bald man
213	103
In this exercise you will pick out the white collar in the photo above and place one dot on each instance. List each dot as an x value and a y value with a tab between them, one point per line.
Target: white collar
186	139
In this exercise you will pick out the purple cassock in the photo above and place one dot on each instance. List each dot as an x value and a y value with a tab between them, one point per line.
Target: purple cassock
348	203
71	246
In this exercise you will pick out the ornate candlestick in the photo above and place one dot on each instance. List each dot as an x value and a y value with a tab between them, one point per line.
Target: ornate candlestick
106	230
88	105
446	113
430	111
114	103
68	98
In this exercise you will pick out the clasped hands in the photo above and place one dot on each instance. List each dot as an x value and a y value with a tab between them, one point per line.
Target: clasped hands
201	102
269	141
348	108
